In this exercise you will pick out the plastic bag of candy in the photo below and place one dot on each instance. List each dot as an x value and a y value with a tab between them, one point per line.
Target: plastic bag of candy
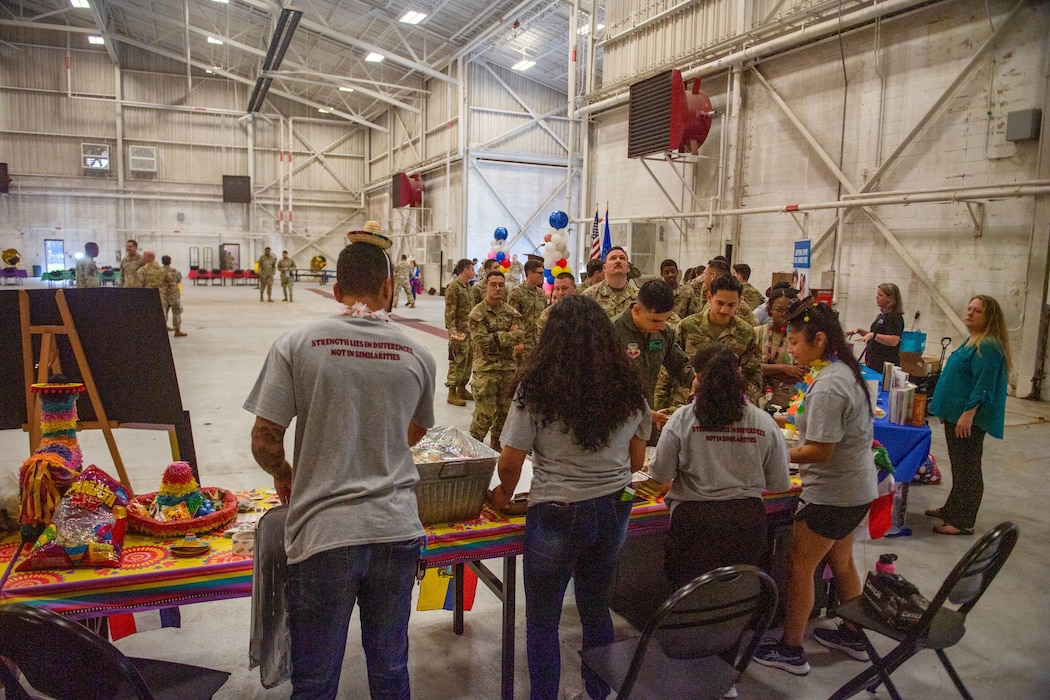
87	528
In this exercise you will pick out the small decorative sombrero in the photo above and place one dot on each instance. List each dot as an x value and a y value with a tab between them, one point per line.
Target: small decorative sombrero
371	232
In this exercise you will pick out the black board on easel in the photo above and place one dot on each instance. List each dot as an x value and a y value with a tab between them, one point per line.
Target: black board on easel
128	352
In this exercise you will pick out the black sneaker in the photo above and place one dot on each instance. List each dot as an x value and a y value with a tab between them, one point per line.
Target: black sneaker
790	659
845	640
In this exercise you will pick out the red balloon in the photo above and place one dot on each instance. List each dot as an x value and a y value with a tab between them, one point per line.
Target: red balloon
547	238
563	262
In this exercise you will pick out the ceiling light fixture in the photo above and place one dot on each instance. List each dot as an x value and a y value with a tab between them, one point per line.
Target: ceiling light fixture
374	57
322	110
282	37
585	29
79	3
346	89
213	40
97	40
224	2
413	17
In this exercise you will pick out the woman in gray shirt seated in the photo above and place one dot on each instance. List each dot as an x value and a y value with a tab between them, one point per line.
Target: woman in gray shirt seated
581	409
721	452
838	481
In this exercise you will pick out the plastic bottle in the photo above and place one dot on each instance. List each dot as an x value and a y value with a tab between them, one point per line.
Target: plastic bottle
885	564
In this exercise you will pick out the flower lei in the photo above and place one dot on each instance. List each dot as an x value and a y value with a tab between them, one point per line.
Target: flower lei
796	407
361	310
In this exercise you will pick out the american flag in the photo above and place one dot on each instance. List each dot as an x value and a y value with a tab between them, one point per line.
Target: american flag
596	245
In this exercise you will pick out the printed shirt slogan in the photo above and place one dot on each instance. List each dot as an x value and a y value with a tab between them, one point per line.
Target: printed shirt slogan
731	434
363	349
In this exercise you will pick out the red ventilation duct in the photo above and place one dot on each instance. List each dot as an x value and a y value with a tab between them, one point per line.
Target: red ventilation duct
406	190
663	116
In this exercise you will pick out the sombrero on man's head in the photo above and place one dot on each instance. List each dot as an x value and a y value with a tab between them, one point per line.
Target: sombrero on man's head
371	232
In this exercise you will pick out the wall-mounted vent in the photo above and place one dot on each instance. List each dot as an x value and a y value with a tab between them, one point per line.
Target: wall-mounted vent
94	156
664	116
142	159
655	123
406	190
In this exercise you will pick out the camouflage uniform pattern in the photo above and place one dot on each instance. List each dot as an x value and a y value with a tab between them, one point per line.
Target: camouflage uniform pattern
267	266
697	330
613	302
772	345
651	352
687	300
477	292
129	270
530	303
515	274
494	332
165	279
743	312
402	273
286	266
87	273
457	312
752	296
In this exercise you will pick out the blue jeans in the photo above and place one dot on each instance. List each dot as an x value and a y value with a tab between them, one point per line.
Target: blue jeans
321	595
563	540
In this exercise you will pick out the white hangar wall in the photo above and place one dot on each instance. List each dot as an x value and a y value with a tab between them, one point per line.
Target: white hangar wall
857	100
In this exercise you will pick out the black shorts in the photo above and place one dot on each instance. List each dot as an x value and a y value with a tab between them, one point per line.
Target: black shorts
832	522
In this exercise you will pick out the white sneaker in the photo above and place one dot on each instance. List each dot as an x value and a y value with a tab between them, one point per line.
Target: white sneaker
731	693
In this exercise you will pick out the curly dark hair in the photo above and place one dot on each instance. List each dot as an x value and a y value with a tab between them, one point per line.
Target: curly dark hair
579	375
720	392
809	318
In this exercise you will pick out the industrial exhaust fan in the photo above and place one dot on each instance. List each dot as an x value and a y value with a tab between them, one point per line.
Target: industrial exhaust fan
666	114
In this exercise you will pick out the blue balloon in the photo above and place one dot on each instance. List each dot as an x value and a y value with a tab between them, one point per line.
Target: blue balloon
559	219
549	276
500	234
500	256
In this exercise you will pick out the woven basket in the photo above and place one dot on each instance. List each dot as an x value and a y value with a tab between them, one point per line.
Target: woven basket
175	528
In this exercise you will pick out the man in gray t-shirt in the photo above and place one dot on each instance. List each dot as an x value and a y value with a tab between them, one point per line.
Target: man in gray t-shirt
353	533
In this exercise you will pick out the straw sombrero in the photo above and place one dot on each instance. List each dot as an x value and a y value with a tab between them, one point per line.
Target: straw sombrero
371	232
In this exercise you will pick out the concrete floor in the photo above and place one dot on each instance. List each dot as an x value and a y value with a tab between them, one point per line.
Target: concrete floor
1004	653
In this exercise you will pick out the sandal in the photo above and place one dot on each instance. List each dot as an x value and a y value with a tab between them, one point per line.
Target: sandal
934	513
947	529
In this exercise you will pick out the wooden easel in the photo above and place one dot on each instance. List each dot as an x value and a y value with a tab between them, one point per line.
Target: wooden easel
49	364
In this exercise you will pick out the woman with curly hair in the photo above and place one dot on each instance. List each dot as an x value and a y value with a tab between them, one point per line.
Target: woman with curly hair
721	453
838	473
581	409
971	400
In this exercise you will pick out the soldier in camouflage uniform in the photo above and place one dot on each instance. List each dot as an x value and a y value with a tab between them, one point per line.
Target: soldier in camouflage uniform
286	266
595	274
497	338
166	281
649	343
686	299
458	305
267	266
515	273
477	292
402	273
718	324
529	301
752	296
615	293
130	264
564	285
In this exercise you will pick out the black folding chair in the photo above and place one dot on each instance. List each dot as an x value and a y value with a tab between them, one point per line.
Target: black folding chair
940	627
697	644
64	659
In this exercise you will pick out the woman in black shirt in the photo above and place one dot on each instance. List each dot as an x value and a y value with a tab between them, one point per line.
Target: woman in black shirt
884	338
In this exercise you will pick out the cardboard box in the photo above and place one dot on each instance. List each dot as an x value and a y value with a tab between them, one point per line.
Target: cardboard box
917	365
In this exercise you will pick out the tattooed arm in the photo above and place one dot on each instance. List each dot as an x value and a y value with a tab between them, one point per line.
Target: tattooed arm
268	449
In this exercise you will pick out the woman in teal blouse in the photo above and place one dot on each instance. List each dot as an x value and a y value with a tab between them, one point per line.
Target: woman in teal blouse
970	399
